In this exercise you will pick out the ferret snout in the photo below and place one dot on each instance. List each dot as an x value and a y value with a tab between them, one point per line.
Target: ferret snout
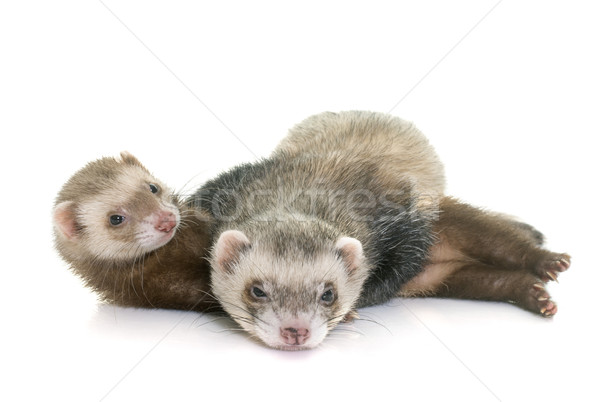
165	221
294	336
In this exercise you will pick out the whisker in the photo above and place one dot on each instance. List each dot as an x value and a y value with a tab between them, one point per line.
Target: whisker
372	321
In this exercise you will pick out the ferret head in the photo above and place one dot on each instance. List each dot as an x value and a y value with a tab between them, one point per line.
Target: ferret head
288	298
113	209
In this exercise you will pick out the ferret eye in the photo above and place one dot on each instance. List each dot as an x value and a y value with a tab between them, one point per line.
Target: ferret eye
116	220
328	296
258	293
153	188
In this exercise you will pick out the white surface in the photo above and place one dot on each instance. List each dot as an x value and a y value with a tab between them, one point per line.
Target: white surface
507	92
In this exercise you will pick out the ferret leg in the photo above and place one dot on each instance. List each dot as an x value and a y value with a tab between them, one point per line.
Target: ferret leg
529	231
496	240
478	281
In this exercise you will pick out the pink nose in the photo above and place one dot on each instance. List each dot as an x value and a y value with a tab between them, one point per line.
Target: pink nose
294	336
165	222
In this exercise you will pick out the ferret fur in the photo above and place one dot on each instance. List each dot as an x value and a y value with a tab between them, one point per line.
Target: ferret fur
332	217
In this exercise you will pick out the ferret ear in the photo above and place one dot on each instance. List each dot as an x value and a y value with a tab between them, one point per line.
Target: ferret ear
351	252
65	221
229	247
129	159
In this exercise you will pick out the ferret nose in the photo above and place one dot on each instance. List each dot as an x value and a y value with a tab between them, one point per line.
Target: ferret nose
165	222
294	336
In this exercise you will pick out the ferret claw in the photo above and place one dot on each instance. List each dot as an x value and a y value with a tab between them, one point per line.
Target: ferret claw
552	276
565	264
540	299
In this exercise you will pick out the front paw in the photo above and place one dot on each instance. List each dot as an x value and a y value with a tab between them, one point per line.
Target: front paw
552	265
540	301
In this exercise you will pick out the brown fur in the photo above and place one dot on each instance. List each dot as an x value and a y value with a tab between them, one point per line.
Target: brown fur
485	256
175	276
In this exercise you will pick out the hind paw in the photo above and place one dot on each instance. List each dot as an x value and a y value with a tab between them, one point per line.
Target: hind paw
541	299
549	268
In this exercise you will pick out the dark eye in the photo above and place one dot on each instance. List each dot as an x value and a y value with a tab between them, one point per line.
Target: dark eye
328	296
153	188
116	220
258	292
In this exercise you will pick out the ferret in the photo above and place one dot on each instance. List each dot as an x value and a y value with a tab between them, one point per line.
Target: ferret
349	211
131	239
285	259
339	217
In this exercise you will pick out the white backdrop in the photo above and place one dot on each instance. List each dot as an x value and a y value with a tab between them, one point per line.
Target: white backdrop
507	91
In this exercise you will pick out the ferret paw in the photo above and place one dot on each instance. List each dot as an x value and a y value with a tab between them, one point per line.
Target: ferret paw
540	298
351	316
549	268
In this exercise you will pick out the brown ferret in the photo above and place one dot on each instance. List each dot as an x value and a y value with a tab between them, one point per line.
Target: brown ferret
131	239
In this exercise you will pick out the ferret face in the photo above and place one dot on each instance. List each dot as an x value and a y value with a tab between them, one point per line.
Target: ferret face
288	303
132	218
120	217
